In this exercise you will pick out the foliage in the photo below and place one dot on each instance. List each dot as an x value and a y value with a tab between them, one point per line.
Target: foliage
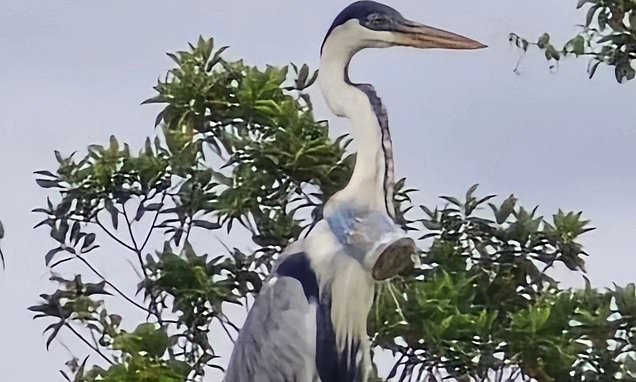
240	149
608	36
483	306
238	146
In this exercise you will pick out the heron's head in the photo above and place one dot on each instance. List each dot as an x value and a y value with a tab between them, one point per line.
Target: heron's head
368	24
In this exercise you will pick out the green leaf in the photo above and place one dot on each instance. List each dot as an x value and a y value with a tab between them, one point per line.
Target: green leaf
88	240
51	254
589	17
114	213
591	69
302	75
206	224
624	71
577	45
216	58
551	53
452	200
147	337
45	183
45	173
630	364
153	206
583	2
471	191
55	329
155	99
543	40
154	341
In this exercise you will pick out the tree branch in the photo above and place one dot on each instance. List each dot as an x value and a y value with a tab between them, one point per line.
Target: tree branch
110	284
90	345
154	221
118	240
129	226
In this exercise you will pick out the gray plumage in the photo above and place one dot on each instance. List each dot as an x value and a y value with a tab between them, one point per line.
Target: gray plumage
274	345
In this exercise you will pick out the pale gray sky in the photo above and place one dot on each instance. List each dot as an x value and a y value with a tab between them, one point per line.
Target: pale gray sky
73	72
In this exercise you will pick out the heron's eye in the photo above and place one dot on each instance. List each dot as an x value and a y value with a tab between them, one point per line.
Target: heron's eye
377	21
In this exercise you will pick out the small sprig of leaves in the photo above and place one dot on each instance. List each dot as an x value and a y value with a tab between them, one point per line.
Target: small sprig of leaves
608	37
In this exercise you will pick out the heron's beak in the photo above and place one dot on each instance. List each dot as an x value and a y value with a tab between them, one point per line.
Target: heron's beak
410	33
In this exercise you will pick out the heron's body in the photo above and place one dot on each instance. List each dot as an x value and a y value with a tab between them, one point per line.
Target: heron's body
307	328
308	323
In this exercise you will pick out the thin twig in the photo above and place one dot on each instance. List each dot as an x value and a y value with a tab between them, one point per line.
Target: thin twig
154	221
189	229
93	338
118	240
226	331
130	232
233	326
397	304
223	321
153	300
154	308
110	284
96	349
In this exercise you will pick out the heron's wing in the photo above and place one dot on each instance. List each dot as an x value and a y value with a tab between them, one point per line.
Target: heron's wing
277	341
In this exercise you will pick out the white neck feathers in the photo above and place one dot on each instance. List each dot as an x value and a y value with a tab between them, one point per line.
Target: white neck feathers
370	186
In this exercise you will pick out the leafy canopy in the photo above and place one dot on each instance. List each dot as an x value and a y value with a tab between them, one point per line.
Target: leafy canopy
239	149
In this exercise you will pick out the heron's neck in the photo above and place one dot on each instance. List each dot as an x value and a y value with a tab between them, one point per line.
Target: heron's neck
371	184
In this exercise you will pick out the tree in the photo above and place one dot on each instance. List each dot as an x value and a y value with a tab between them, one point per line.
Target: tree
240	149
608	36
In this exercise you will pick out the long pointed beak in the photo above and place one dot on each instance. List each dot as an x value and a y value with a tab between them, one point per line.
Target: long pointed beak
410	33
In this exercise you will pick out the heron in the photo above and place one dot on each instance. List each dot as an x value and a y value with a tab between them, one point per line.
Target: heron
308	323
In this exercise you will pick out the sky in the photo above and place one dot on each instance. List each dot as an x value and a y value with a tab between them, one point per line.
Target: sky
74	72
